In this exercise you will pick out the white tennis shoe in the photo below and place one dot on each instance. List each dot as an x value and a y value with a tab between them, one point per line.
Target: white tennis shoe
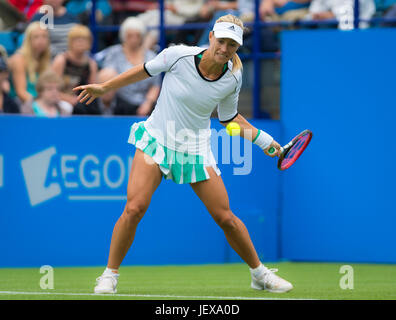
107	283
271	282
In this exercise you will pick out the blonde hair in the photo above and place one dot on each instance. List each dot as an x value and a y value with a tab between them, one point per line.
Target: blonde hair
236	61
33	65
46	77
79	31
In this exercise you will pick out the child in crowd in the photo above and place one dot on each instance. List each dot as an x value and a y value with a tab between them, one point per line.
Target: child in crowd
75	65
48	102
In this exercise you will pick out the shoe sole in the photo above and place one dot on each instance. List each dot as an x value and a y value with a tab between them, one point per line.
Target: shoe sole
256	287
105	291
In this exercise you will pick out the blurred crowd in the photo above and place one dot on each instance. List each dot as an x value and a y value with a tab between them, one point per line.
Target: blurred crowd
53	45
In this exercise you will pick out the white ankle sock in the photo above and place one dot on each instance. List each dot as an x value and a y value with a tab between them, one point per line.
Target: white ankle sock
258	272
109	270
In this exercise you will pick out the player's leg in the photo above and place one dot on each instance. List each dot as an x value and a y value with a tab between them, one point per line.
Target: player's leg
144	178
213	194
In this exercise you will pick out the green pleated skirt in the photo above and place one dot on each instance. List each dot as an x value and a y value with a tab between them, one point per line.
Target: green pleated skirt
180	167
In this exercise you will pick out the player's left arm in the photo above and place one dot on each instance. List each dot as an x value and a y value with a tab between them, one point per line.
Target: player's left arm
255	135
92	91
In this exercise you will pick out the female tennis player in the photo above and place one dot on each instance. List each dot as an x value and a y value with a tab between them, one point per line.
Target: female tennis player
174	142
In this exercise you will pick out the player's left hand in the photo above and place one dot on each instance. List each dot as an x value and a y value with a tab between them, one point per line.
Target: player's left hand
277	147
90	92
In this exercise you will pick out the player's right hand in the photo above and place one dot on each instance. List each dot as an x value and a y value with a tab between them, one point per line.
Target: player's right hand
89	91
277	147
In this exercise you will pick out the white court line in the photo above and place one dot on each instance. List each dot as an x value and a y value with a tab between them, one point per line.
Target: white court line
97	198
146	296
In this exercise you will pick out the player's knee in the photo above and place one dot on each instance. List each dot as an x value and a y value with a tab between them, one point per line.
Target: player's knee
227	222
134	211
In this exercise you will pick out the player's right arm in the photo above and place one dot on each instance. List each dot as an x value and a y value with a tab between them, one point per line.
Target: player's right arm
91	91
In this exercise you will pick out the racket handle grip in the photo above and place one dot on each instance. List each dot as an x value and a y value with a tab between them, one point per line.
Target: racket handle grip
271	150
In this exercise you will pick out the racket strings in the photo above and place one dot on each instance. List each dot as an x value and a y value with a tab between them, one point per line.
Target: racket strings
298	145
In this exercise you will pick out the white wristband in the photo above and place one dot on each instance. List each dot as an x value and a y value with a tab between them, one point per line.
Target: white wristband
263	139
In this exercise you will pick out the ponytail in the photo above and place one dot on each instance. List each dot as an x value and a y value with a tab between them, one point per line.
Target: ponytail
236	63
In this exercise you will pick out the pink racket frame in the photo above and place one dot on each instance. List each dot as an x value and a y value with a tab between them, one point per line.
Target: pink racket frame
294	149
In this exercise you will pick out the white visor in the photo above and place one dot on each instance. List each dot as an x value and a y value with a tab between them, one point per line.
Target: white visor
228	30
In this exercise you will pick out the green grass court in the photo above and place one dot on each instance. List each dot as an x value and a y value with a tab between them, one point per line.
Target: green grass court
218	282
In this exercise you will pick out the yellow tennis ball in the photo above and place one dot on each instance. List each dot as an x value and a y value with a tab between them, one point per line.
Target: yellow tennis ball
233	129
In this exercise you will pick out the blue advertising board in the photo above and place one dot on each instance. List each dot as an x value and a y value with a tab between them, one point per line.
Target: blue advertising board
63	186
339	199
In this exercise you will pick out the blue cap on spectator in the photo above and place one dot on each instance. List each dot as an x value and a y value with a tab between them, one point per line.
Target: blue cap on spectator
3	64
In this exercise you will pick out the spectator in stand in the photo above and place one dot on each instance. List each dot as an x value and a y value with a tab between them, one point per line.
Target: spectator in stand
29	62
119	11
27	7
7	105
63	22
48	102
246	10
389	13
341	10
176	13
283	10
211	11
270	10
5	84
82	10
108	101
76	67
14	11
122	9
382	7
138	98
211	7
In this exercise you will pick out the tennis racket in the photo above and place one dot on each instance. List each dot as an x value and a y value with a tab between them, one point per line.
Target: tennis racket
293	150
